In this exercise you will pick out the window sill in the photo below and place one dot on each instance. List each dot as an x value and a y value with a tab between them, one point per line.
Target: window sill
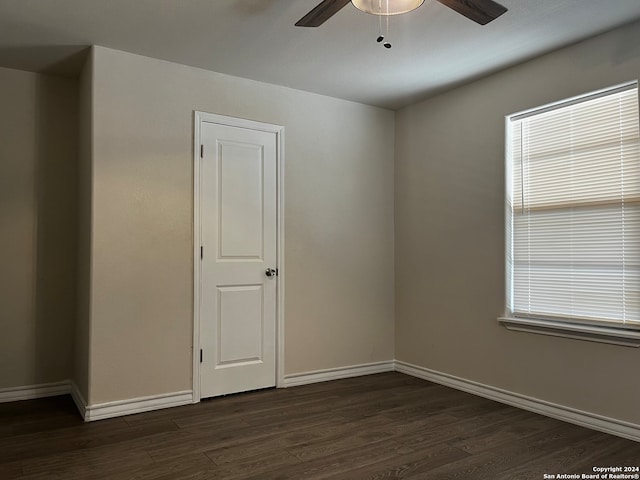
591	333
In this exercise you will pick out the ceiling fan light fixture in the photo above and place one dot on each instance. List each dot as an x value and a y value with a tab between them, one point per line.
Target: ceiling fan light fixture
386	7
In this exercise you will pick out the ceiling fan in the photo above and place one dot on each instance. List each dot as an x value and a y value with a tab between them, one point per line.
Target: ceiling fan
480	11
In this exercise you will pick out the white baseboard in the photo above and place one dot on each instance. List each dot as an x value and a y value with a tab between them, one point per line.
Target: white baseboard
78	399
29	392
337	373
98	411
155	402
137	405
585	419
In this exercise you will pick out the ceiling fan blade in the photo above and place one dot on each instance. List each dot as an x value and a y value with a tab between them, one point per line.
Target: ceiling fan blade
480	11
323	12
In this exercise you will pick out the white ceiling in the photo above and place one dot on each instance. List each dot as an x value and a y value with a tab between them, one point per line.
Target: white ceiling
434	48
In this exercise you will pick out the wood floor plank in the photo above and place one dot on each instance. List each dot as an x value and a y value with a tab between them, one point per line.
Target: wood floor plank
258	464
521	425
578	457
205	439
407	465
166	468
461	431
11	470
291	441
85	463
491	464
335	444
77	436
326	467
374	427
248	413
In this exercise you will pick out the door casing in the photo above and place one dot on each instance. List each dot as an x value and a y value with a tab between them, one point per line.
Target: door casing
278	130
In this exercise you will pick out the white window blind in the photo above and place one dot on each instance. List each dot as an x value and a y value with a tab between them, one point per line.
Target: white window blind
573	211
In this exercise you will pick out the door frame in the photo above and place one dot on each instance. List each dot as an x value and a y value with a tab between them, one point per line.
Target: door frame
198	119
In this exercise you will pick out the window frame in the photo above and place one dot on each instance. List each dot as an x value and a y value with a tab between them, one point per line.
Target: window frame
567	328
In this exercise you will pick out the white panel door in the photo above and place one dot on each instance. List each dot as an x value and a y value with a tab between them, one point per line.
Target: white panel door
238	229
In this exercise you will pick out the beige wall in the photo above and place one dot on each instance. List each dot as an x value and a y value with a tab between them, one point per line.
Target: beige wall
449	214
338	209
37	221
84	201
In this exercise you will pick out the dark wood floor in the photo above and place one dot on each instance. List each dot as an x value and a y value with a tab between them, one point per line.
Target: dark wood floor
375	427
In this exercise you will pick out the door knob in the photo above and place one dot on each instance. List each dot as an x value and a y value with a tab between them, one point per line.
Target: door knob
271	272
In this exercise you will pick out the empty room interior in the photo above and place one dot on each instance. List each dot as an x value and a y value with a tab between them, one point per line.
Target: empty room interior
319	239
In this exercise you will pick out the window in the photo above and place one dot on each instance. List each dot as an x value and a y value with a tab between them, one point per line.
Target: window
573	214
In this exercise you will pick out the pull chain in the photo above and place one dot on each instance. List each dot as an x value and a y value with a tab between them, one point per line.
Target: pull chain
380	35
387	44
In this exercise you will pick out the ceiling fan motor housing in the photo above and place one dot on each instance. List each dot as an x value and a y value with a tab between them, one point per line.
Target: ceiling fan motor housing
387	7
480	11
